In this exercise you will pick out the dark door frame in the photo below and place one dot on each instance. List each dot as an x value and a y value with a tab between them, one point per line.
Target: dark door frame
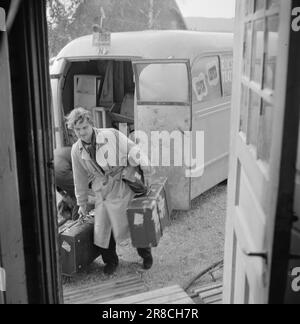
285	201
12	259
28	227
31	207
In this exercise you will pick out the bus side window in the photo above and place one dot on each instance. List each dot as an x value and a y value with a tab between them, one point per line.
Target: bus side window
161	82
206	79
226	71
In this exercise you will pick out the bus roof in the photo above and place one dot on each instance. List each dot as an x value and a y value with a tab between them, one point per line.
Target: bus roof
152	44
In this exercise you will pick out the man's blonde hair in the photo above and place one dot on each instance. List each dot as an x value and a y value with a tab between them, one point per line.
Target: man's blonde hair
78	115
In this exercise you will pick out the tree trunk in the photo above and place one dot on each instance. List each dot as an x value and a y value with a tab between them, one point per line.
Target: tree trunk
151	14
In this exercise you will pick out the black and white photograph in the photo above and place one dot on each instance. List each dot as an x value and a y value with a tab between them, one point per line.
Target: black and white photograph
149	154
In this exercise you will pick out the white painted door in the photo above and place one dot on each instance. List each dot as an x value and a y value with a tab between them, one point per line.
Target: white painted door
163	112
258	107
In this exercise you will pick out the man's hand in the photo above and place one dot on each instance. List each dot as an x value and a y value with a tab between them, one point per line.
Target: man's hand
82	212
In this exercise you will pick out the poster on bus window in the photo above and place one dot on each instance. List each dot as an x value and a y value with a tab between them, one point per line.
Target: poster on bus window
212	73
200	87
206	79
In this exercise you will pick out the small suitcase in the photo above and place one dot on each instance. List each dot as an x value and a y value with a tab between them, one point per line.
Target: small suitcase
76	243
149	215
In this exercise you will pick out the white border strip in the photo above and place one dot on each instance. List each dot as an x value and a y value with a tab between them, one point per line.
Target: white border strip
2	20
2	280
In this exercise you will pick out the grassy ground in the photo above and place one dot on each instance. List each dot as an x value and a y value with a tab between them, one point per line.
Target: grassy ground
194	241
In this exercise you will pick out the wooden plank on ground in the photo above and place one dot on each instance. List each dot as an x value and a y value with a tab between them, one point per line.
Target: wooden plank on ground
184	301
104	292
90	288
214	300
110	283
110	295
168	295
210	294
168	299
207	288
100	293
147	295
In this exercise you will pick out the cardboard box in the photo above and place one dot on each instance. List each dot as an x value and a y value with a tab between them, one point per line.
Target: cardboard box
86	91
149	215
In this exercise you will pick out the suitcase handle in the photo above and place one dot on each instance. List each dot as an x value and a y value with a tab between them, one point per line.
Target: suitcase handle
77	223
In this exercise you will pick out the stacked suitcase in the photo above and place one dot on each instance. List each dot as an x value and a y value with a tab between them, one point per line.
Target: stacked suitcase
150	214
76	244
147	218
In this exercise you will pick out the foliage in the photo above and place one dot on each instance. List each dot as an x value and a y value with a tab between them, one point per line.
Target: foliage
69	19
60	18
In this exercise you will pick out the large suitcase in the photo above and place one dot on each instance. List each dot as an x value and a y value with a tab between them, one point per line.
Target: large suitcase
77	249
149	215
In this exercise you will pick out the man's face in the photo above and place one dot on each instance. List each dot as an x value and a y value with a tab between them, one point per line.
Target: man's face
84	131
72	136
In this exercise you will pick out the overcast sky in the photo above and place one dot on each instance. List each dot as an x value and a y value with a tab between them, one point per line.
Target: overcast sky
207	8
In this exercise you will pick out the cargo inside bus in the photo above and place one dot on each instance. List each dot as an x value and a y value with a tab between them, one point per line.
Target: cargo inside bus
108	84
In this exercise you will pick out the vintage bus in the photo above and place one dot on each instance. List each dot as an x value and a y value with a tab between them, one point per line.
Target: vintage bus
155	81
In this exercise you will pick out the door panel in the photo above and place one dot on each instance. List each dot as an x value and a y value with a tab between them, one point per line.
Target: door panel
164	110
258	108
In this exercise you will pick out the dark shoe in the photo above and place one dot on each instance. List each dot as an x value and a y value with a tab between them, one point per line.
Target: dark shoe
148	261
110	268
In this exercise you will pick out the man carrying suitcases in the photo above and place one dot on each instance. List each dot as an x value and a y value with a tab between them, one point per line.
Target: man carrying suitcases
96	157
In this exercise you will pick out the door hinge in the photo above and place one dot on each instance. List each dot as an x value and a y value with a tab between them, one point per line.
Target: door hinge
2	280
263	255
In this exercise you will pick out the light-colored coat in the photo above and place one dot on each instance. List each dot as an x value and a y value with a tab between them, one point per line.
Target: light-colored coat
112	194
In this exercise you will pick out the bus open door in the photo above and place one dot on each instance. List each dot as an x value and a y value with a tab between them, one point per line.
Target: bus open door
163	112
